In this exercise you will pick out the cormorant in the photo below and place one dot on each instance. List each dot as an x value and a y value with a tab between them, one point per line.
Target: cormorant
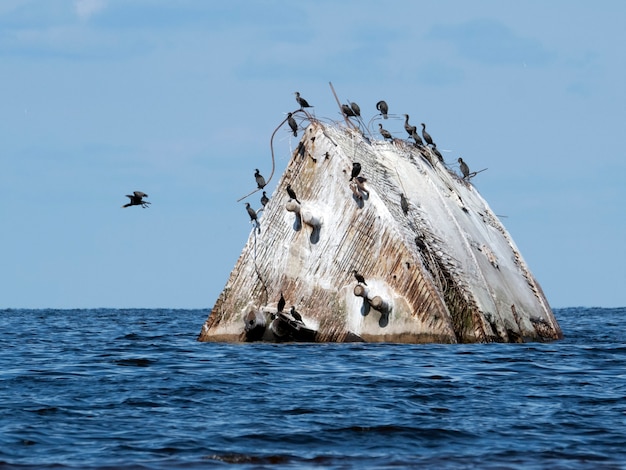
301	101
347	110
360	279
409	128
355	109
464	168
301	149
383	108
264	199
404	204
436	152
260	181
251	212
136	199
416	137
419	241
296	316
292	124
426	135
281	303
292	193
384	132
356	169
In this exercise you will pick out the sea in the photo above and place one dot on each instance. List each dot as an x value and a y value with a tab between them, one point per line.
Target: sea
134	389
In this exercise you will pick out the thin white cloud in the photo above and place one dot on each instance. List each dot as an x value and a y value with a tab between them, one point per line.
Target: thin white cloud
85	9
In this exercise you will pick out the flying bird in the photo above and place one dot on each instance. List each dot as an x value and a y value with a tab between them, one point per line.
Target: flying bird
356	169
260	181
384	132
292	124
301	101
292	193
136	199
264	199
426	135
360	279
464	168
383	108
281	303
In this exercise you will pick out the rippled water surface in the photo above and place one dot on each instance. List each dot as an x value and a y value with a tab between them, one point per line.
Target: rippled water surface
134	389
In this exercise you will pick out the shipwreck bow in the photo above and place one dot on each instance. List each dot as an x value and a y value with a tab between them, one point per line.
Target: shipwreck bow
437	264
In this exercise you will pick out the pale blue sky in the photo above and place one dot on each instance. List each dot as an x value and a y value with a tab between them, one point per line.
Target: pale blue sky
179	99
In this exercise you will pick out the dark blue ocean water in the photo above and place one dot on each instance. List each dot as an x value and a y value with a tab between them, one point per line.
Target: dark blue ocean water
133	389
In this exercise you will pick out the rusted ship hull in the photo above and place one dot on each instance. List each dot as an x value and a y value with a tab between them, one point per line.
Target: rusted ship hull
440	267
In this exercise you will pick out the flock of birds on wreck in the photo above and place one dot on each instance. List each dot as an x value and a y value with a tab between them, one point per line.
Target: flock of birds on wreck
348	110
353	110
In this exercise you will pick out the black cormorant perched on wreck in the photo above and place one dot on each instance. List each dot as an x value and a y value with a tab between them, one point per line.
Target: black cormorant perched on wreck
404	204
292	193
296	316
416	137
251	212
409	128
464	168
281	303
292	124
260	181
384	132
347	110
301	101
436	152
264	199
419	241
136	199
360	279
355	109
356	169
383	108
426	135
